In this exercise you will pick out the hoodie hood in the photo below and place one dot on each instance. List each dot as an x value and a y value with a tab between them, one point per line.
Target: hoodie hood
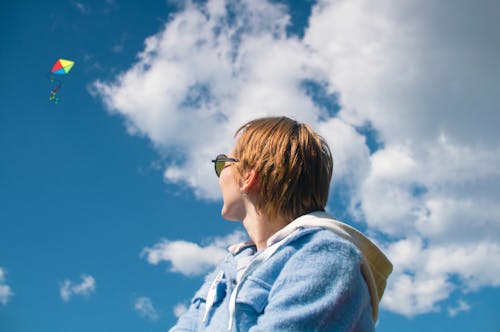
375	266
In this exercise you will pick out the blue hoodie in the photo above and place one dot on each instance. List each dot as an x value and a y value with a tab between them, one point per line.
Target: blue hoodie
317	274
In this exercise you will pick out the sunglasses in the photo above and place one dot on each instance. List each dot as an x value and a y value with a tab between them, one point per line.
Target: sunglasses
220	163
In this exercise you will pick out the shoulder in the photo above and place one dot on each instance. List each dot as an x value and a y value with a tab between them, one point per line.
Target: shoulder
313	250
321	253
321	242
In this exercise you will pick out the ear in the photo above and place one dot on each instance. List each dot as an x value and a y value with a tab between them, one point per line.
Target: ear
250	181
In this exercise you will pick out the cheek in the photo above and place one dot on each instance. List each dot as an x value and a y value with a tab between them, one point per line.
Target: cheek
228	189
233	205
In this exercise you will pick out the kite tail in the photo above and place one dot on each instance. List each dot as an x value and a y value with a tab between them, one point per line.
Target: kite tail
53	98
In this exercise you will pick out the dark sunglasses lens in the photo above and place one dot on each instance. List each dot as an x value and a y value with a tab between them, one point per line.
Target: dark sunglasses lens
220	161
219	165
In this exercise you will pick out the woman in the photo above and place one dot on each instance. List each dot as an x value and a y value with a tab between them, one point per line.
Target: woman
301	270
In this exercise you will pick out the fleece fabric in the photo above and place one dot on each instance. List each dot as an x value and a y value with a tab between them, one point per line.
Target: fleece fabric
317	274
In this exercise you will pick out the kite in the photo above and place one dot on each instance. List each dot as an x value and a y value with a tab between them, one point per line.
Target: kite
61	67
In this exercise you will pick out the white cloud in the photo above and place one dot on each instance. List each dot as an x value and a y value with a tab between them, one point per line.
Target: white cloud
461	306
179	309
189	258
69	289
351	157
413	290
424	274
424	76
144	306
411	67
5	290
82	8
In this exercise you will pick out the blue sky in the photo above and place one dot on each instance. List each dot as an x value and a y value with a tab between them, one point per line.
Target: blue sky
110	211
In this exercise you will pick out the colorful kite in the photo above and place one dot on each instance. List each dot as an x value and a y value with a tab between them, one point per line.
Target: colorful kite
61	67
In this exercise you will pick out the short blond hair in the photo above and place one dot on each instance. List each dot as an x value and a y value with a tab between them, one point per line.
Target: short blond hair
294	165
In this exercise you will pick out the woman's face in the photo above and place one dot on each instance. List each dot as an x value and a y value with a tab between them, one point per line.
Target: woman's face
233	208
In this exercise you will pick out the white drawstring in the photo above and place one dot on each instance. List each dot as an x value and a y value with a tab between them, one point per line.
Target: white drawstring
259	259
212	292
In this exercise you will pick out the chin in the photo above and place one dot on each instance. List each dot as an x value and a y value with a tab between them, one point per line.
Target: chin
228	215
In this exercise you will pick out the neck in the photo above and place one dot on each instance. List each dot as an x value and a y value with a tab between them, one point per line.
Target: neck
260	228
